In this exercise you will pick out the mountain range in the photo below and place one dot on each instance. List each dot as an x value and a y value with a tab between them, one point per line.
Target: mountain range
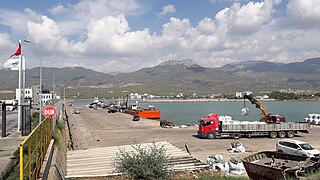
175	76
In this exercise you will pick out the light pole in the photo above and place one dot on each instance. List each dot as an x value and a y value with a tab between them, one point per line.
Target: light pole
64	95
40	89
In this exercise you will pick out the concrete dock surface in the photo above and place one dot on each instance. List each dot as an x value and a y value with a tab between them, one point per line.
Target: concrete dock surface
8	145
97	128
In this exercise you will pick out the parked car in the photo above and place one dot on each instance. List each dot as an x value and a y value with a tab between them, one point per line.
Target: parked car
10	108
77	112
136	117
295	147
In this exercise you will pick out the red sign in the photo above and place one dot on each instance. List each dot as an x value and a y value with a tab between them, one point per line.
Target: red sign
49	111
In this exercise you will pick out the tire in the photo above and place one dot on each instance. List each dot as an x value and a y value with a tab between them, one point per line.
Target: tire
290	134
211	135
236	135
280	151
281	134
273	135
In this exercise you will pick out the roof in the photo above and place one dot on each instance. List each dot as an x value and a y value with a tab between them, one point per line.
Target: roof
292	141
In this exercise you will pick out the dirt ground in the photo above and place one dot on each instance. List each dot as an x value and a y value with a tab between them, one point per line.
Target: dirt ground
97	128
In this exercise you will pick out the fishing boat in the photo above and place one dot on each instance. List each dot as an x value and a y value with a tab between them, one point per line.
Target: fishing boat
269	165
149	113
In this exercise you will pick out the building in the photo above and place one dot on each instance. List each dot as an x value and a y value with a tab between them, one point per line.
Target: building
241	94
46	96
33	93
28	93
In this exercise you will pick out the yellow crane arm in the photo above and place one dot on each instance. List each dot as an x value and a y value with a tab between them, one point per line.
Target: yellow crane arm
265	112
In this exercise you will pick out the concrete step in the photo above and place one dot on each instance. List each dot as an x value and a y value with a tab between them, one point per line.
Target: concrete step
98	161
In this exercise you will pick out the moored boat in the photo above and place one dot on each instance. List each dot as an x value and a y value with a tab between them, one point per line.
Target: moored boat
149	113
269	165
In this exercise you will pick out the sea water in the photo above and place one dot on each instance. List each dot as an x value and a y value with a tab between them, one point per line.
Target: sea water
190	112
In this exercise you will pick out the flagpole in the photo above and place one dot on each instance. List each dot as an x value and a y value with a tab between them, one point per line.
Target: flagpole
19	95
24	78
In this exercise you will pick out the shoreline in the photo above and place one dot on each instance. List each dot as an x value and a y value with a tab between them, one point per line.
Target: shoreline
220	100
208	100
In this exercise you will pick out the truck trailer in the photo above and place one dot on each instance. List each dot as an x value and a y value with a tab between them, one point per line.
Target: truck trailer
211	127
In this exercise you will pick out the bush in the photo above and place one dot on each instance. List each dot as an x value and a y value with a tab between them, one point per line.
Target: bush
147	163
35	119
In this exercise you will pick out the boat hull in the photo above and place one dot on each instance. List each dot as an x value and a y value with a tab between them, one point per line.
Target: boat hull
148	114
263	165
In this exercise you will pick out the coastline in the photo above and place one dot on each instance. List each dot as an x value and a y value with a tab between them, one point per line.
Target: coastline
165	100
198	100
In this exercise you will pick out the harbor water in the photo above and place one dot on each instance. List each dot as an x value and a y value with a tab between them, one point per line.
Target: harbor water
190	112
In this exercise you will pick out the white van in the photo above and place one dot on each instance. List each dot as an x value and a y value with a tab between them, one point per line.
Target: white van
295	147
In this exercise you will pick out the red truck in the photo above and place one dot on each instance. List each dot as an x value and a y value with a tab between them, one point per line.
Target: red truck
211	127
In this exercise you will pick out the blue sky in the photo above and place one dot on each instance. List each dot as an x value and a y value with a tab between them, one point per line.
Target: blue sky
127	35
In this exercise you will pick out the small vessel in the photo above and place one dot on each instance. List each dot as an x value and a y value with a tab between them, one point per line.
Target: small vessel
148	113
269	165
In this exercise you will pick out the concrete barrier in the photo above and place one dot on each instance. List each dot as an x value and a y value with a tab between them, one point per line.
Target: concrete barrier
57	168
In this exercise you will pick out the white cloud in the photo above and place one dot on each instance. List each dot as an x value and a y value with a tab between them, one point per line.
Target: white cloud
206	26
246	19
6	46
59	9
308	10
175	27
168	9
75	18
106	42
14	20
111	36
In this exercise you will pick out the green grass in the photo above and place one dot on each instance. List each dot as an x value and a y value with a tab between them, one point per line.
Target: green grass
57	134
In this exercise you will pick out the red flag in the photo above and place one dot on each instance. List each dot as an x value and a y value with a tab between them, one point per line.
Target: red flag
18	51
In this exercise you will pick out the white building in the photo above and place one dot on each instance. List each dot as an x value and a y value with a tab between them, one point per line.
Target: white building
241	94
46	97
33	93
134	96
28	93
180	95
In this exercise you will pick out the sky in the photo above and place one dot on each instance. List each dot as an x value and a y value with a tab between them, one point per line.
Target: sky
127	35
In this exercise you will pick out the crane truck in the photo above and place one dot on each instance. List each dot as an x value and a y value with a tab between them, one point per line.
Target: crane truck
266	117
212	127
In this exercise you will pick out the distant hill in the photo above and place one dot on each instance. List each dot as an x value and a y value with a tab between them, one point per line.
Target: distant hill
67	76
268	75
184	76
308	66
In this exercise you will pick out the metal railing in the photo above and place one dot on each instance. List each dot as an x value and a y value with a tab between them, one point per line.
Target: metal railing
33	150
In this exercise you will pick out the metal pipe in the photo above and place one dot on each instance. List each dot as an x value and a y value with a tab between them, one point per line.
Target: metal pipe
4	119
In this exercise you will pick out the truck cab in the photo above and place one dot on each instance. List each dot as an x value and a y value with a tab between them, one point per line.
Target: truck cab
208	126
278	119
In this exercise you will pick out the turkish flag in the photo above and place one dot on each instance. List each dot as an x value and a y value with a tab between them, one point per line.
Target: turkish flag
18	51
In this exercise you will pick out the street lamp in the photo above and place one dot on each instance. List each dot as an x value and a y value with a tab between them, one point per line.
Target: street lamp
40	90
64	95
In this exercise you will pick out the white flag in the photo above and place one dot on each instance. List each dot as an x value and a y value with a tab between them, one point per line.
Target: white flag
12	63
